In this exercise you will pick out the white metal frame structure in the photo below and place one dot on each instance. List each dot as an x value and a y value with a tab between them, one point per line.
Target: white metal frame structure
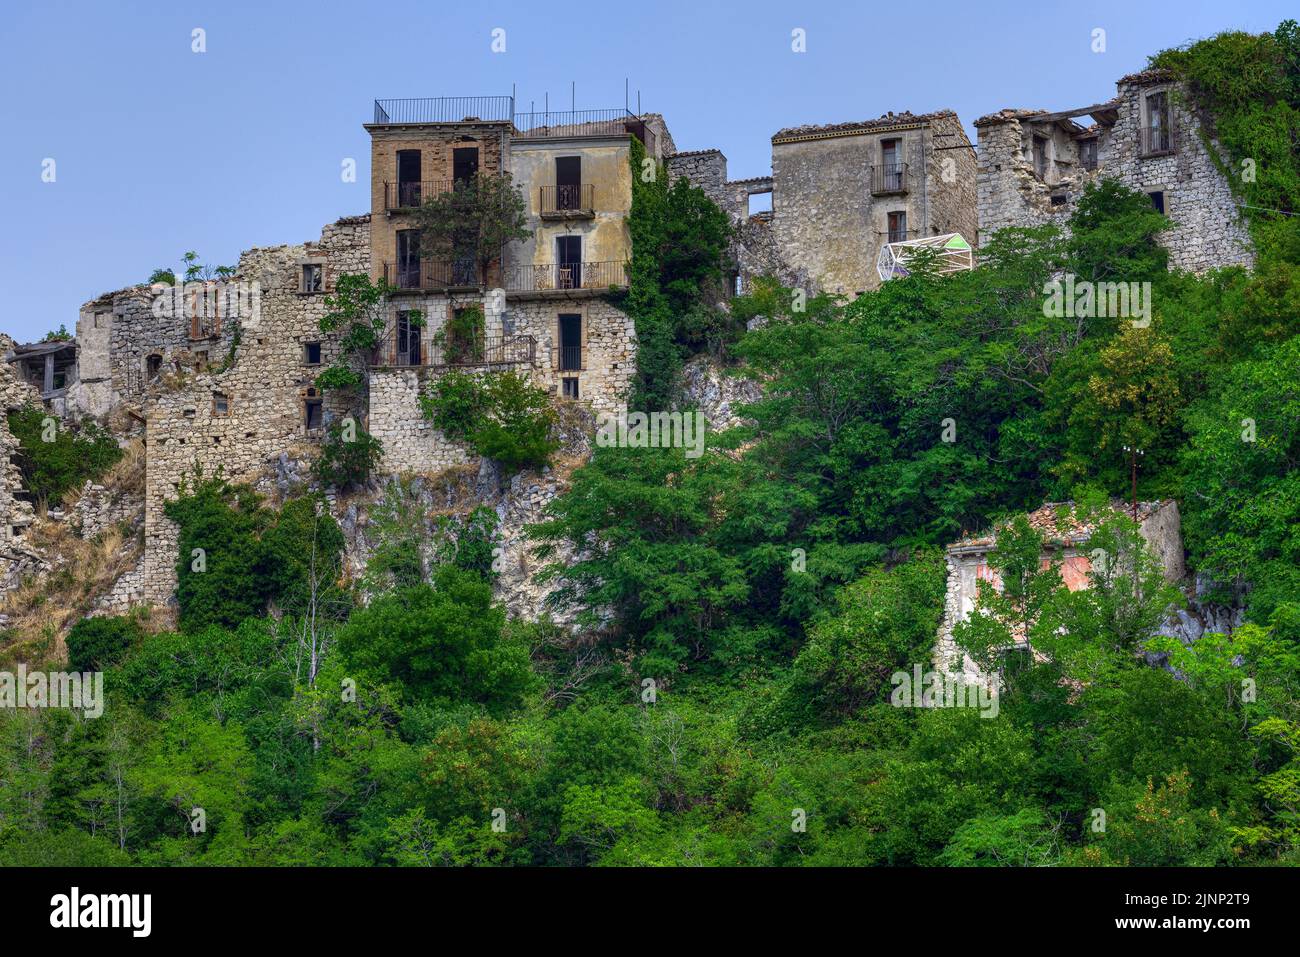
954	255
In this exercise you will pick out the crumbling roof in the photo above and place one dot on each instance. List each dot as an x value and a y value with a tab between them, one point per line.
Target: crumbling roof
1006	116
1060	525
863	126
692	153
352	220
31	350
1146	76
751	180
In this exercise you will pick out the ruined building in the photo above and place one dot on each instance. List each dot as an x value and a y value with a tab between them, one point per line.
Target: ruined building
1034	164
1066	545
221	373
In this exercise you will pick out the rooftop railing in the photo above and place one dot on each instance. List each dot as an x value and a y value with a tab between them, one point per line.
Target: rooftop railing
445	109
546	123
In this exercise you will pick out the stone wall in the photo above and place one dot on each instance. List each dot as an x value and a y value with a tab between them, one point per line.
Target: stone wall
413	445
264	390
1208	229
16	514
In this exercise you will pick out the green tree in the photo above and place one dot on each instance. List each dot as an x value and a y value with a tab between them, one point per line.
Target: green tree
473	221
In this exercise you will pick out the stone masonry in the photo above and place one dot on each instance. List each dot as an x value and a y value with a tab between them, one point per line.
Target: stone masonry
1034	165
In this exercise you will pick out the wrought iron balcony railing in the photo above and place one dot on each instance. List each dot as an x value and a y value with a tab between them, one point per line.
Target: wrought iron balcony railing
428	274
1156	140
558	200
407	195
889	178
558	276
454	352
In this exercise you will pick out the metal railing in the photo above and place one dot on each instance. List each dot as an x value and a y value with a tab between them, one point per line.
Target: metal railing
570	358
445	109
495	109
889	178
549	276
1155	140
407	195
483	351
428	274
568	199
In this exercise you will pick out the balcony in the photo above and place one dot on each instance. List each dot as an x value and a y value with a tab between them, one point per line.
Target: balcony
1156	141
559	277
568	202
487	351
428	274
445	109
411	195
889	179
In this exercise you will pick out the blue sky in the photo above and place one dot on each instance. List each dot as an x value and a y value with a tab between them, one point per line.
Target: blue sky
158	149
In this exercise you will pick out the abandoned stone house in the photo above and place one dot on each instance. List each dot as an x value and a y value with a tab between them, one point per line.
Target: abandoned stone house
1066	539
1033	165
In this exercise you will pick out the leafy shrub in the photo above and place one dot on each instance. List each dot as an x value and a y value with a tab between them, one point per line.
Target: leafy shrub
235	555
347	456
502	416
467	542
455	402
55	457
444	642
517	429
96	643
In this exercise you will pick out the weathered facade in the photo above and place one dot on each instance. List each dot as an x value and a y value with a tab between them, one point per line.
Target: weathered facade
1033	165
840	192
544	301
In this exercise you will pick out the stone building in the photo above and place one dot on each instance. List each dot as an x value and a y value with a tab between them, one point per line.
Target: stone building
1066	539
544	301
840	192
1034	164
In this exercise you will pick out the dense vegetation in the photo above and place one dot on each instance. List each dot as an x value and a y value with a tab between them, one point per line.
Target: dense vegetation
54	458
744	612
